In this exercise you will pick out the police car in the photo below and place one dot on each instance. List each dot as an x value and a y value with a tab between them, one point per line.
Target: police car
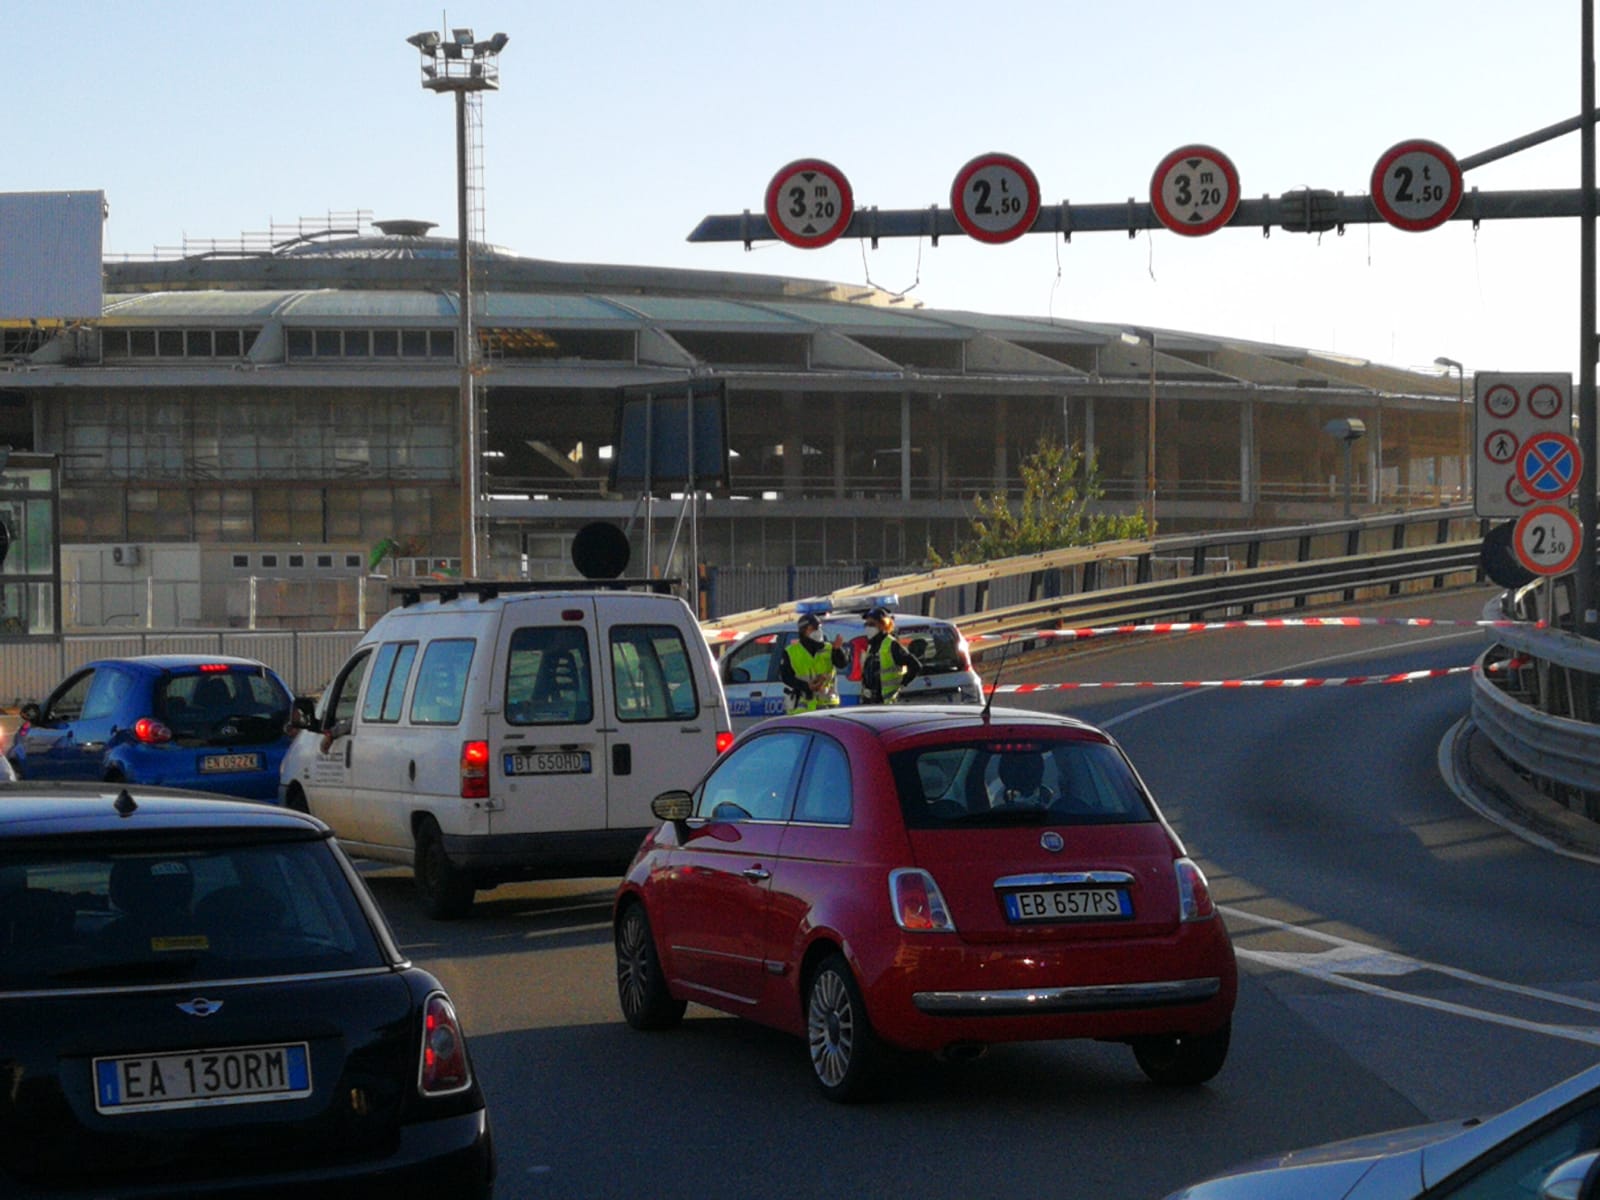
754	684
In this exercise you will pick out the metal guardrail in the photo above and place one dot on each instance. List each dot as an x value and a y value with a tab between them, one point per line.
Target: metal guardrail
1199	597
1539	713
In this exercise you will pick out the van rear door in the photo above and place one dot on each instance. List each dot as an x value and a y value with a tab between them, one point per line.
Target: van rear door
547	750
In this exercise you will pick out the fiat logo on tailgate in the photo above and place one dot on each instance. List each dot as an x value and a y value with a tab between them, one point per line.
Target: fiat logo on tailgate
1051	841
201	1007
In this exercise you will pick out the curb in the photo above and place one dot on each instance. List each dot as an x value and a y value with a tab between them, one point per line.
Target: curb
1489	785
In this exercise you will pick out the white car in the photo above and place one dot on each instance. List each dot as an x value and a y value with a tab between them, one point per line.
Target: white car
754	685
1543	1147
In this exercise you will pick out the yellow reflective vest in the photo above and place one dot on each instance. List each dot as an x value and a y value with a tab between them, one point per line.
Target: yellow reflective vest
817	670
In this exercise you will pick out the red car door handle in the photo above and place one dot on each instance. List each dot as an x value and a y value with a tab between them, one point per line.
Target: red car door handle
757	874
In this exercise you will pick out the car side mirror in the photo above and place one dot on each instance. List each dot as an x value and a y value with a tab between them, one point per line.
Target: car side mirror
738	675
676	806
1576	1179
31	711
303	714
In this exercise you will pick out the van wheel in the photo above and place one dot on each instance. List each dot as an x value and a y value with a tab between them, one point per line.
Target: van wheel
295	799
445	890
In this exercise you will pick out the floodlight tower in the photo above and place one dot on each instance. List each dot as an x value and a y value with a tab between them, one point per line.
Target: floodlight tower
463	65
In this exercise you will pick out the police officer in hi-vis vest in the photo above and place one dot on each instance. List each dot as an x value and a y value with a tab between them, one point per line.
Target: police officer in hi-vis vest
809	667
888	666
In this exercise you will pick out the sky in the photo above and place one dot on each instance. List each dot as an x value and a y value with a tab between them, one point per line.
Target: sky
619	125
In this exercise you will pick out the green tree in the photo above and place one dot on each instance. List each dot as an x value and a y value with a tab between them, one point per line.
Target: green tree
1058	486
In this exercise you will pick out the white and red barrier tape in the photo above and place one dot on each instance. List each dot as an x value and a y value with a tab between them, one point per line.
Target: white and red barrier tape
1165	627
1347	681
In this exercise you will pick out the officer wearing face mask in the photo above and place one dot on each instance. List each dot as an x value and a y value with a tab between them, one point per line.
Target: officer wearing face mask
888	666
809	667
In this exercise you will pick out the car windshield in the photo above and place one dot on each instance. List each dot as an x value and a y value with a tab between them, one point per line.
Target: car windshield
991	784
94	916
252	703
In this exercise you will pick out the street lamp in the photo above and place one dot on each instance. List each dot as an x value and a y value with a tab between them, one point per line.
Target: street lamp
1461	417
1135	336
461	64
1348	430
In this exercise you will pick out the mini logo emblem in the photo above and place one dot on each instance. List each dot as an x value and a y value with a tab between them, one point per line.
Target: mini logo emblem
1051	841
228	730
201	1007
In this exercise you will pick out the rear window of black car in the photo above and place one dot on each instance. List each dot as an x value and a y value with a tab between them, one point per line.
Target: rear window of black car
97	916
986	785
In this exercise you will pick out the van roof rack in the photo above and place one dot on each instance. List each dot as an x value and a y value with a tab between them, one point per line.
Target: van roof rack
488	589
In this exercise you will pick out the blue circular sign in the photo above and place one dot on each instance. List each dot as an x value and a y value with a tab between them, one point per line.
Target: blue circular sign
1548	465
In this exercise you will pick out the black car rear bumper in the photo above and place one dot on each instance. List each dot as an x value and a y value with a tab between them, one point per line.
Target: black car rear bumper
452	1156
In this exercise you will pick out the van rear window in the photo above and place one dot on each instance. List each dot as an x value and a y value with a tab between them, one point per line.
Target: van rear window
547	677
651	674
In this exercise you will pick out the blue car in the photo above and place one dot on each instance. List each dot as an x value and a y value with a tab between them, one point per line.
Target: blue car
206	722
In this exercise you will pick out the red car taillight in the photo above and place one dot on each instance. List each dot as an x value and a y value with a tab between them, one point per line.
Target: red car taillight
1194	894
151	731
444	1050
917	903
964	654
724	740
474	770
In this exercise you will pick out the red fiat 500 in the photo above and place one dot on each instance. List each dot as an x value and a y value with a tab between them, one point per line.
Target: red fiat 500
931	879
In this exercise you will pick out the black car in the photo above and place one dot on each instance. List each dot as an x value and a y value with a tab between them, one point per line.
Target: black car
199	997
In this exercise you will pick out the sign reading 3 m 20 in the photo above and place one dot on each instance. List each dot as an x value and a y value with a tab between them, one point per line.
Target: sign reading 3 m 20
1522	431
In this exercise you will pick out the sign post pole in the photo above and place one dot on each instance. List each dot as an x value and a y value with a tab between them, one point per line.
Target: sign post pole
1586	621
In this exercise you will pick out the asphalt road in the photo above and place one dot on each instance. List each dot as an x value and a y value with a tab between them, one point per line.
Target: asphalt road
1402	960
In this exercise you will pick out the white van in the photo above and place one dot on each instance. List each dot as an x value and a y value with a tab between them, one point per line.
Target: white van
492	732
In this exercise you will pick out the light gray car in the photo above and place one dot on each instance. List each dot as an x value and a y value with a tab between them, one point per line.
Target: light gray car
1543	1147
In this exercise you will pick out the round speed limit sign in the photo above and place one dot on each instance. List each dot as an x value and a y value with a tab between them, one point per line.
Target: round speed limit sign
995	198
809	203
1416	185
1547	539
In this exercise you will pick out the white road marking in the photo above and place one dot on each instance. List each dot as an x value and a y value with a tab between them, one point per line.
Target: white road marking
1350	964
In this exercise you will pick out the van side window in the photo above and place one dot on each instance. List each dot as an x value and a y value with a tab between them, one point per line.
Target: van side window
547	677
442	682
391	669
651	674
341	708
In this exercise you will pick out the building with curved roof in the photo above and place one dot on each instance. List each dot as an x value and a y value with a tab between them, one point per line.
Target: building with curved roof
304	393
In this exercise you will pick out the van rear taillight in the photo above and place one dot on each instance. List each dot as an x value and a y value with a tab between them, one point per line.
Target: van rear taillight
724	740
151	731
474	770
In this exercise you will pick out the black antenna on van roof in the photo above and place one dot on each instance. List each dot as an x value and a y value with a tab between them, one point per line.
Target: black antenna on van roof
1005	653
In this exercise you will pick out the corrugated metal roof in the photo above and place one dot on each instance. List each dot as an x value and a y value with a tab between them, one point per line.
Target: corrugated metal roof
189	306
687	310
